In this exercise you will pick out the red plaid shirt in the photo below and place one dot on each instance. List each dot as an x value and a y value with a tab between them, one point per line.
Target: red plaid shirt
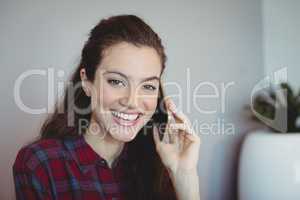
66	169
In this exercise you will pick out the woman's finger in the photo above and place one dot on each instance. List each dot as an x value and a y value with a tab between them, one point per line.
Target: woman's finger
178	115
182	120
172	135
182	127
186	130
166	138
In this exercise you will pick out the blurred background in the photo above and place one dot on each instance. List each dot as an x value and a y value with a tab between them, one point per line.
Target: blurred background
217	48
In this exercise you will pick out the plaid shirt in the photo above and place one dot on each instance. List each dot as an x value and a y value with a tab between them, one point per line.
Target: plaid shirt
66	169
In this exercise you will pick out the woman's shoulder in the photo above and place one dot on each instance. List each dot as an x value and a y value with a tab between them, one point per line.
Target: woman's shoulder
32	155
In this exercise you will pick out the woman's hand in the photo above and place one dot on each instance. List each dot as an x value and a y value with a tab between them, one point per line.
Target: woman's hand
179	148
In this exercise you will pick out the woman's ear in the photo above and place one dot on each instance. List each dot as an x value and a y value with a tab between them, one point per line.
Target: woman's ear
85	82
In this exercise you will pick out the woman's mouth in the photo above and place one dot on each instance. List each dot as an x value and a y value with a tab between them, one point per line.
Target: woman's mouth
125	119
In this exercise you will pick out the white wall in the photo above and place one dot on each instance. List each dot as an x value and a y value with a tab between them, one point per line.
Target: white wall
219	40
281	38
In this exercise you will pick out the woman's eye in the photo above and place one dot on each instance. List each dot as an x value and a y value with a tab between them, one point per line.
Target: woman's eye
115	82
149	87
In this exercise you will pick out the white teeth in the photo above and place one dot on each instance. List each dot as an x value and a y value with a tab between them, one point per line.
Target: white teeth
128	117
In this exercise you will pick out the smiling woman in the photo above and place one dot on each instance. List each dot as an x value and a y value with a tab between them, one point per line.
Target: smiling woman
125	89
118	153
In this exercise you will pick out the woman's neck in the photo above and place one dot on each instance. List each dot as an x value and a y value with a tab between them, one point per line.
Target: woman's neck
103	144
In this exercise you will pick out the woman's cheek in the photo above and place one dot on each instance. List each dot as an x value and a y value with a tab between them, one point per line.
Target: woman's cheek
107	97
150	105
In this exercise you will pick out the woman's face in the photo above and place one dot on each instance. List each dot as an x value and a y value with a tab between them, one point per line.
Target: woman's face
125	91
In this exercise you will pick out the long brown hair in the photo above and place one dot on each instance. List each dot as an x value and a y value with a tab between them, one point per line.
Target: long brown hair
144	172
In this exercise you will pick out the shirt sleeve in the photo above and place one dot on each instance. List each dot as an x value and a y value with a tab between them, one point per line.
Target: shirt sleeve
27	184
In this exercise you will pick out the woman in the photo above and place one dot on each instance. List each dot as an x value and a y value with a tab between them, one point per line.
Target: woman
112	136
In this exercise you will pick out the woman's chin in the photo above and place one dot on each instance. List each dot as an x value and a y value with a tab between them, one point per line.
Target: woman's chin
124	136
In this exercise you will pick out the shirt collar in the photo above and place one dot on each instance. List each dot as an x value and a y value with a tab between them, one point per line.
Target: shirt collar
82	153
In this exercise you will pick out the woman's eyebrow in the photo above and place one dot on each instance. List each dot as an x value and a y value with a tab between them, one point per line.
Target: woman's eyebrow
126	77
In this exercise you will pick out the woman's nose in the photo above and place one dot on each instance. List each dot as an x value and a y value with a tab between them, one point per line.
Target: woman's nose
129	100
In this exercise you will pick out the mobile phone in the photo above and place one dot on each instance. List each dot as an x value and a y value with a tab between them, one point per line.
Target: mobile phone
160	117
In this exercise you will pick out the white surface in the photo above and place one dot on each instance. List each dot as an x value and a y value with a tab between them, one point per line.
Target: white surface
270	167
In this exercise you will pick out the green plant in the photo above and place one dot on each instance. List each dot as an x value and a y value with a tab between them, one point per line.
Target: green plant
269	101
